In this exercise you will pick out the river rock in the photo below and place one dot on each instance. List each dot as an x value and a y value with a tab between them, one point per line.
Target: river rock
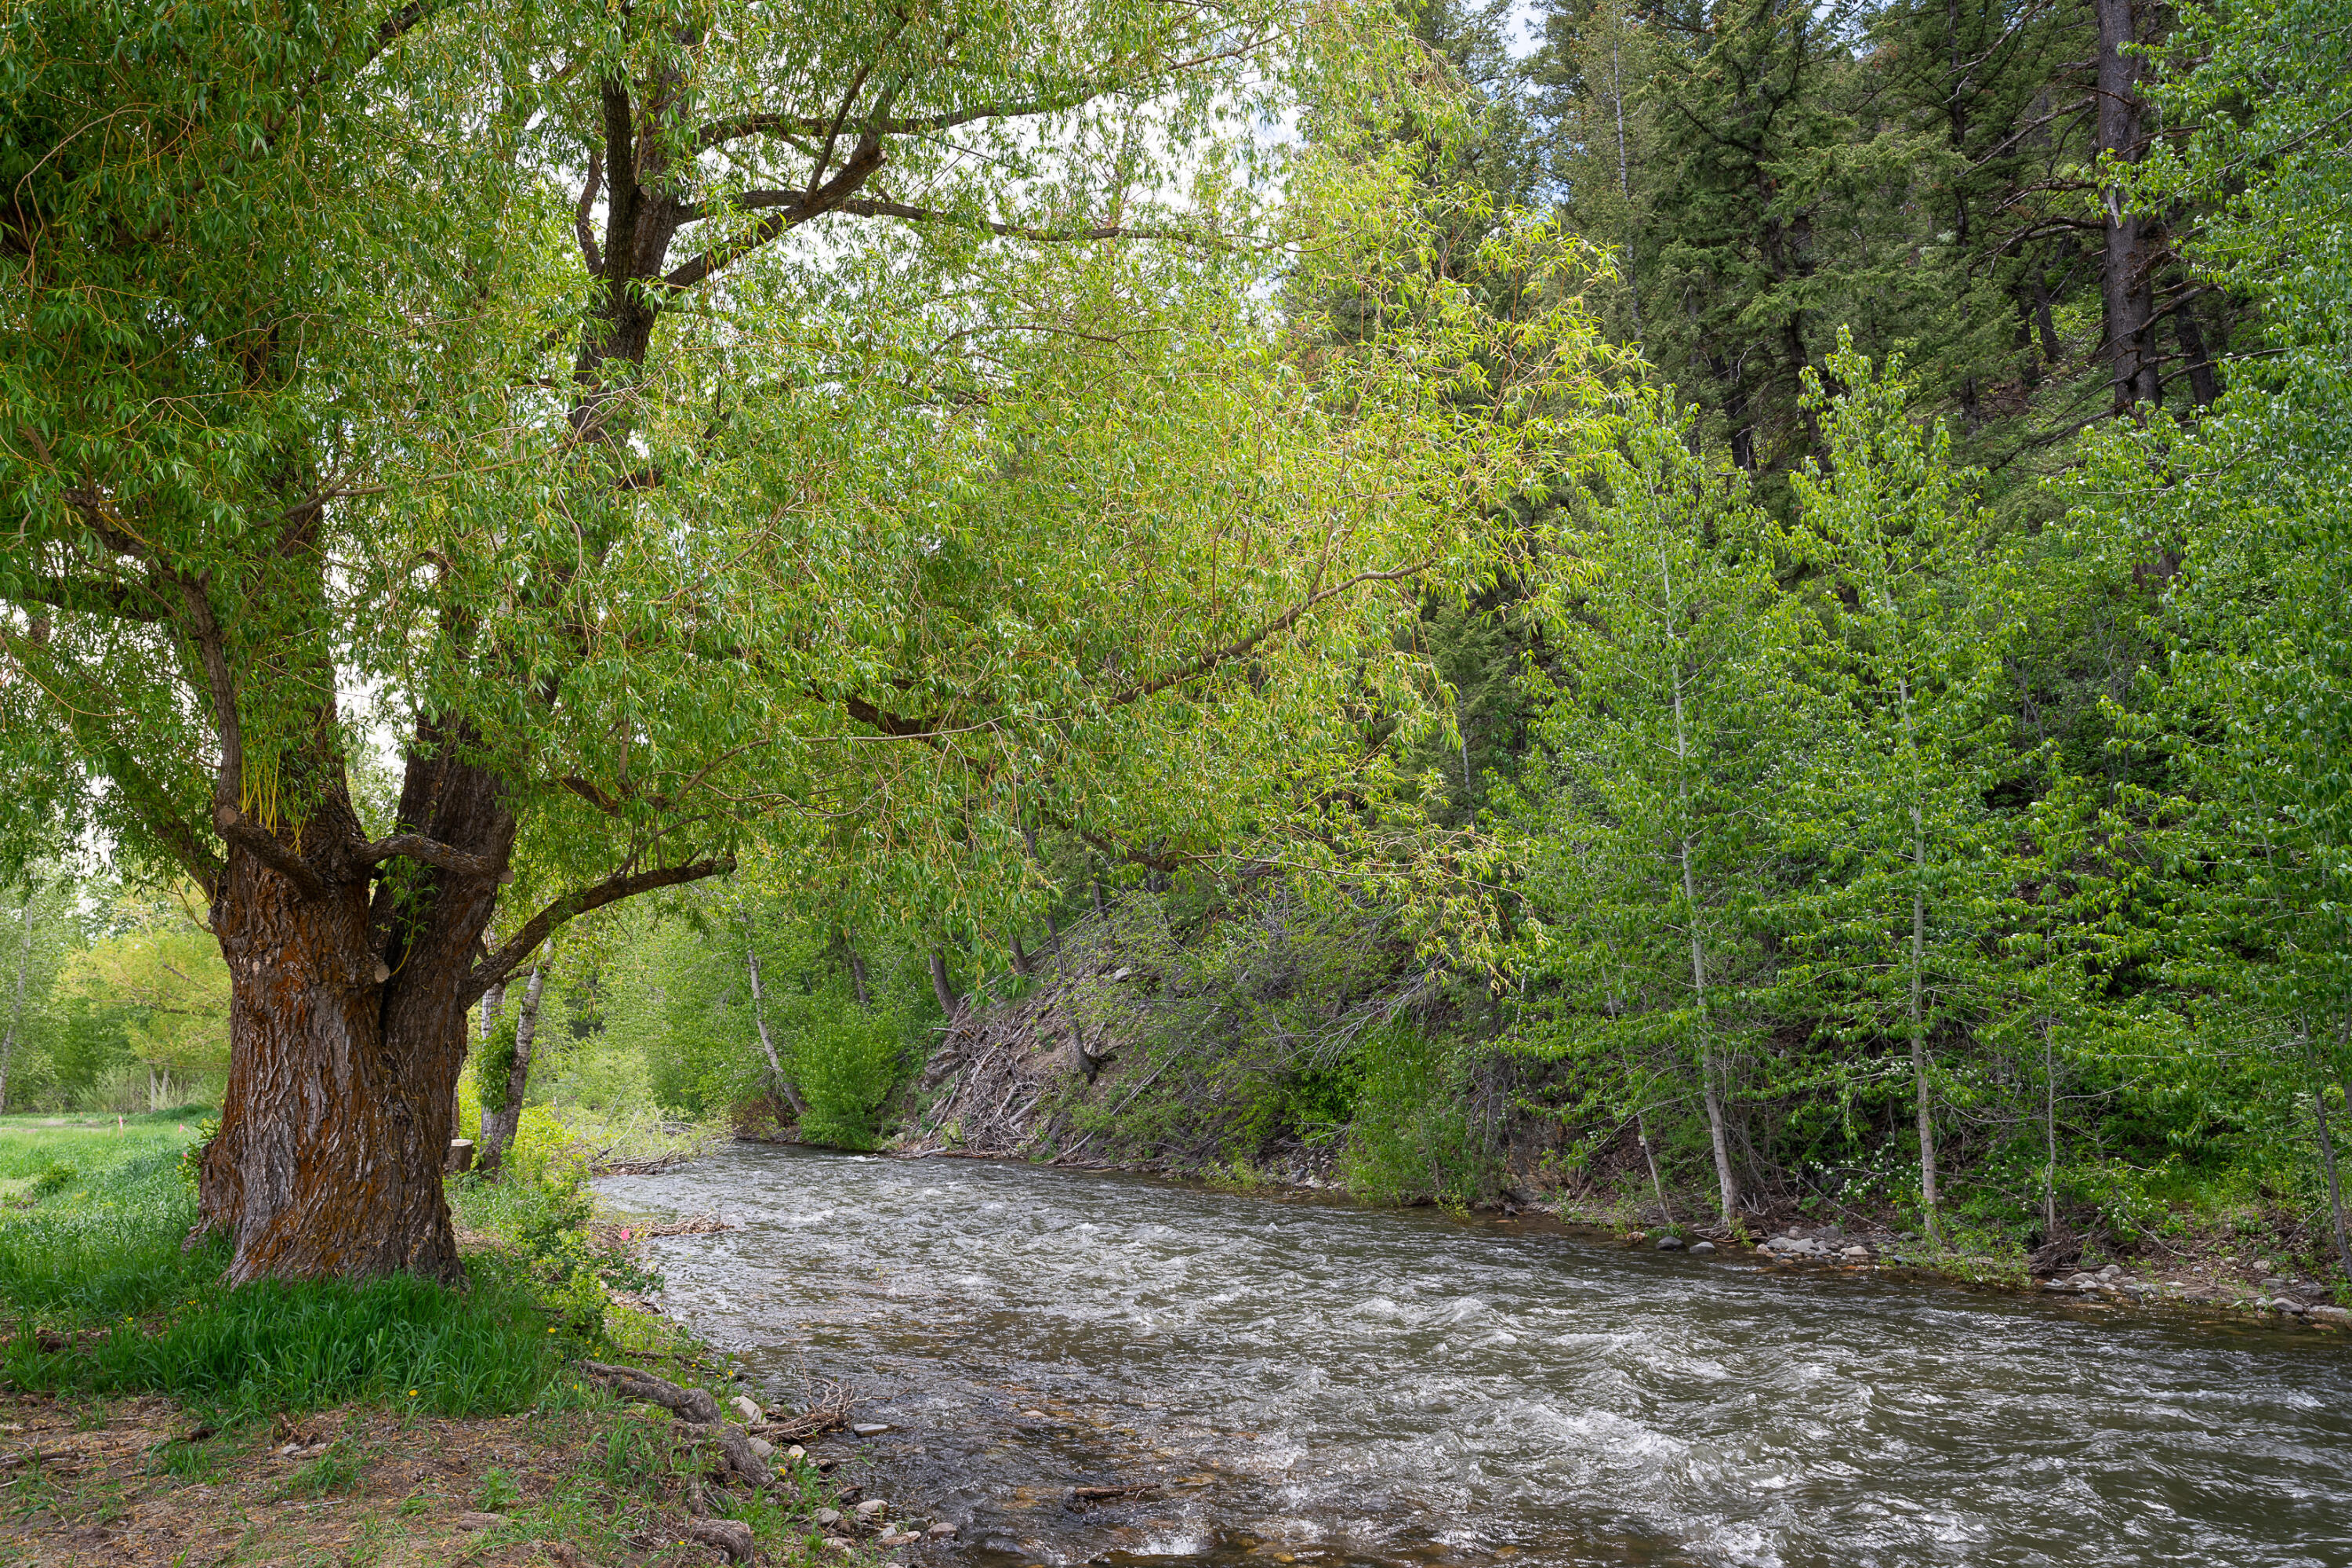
1856	1254
2337	1316
943	1531
826	1518
870	1508
1700	1246
1794	1246
870	1428
1670	1244
749	1407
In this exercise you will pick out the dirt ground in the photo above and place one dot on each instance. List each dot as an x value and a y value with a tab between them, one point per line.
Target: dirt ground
120	1483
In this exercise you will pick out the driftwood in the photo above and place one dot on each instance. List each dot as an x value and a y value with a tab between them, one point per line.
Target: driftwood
739	1452
693	1225
830	1410
1081	1496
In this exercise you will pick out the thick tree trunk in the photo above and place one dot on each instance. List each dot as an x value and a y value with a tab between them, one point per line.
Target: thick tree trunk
347	1019
336	1122
2127	287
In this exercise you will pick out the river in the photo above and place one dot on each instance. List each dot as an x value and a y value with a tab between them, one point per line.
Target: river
1311	1382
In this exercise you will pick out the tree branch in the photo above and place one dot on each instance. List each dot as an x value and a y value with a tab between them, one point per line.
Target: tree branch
432	851
592	257
265	846
734	129
862	162
498	965
85	597
882	206
1193	668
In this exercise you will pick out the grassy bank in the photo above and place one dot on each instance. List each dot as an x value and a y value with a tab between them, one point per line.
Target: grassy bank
394	1420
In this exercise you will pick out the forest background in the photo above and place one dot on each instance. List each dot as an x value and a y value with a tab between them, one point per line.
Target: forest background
1904	771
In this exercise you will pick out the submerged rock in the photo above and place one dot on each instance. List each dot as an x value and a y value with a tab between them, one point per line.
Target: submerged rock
1698	1246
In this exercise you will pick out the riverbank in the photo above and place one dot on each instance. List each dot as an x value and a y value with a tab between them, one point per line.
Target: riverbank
2201	1274
147	1416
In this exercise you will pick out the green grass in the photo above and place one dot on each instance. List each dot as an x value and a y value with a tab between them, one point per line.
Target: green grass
101	1248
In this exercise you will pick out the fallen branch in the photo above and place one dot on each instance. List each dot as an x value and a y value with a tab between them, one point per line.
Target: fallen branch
1080	1497
830	1410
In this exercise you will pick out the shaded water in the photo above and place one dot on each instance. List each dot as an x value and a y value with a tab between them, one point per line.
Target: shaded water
1316	1382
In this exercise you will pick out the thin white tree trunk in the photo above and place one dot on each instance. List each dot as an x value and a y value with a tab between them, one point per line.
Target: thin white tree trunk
1625	169
2048	1134
16	1013
1642	1131
1727	1188
759	1021
499	1126
1918	975
2327	1153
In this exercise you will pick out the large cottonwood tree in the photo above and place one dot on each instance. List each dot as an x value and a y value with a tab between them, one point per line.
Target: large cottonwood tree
661	423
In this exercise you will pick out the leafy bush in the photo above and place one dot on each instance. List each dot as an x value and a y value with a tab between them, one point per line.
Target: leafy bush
846	1065
1412	1137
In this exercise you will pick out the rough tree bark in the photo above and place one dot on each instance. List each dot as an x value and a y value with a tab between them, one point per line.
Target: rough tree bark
2127	283
950	1003
347	1017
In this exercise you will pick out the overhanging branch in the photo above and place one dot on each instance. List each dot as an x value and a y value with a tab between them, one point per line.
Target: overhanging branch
498	965
1195	668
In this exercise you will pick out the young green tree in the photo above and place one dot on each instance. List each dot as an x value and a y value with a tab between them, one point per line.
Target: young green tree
1662	737
1888	811
43	940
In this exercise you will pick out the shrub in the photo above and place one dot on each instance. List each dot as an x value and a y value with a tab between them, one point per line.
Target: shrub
1412	1137
846	1064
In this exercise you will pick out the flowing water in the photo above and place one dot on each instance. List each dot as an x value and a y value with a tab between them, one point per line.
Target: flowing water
1309	1382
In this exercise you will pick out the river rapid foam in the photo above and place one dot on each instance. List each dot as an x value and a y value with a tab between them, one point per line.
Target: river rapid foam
1311	1382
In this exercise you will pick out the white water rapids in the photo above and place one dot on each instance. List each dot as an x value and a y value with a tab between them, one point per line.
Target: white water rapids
1311	1382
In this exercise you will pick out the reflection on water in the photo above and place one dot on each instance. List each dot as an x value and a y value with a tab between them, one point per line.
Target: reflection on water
1312	1383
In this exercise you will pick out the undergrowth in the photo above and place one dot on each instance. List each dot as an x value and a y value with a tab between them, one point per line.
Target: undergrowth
101	1294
